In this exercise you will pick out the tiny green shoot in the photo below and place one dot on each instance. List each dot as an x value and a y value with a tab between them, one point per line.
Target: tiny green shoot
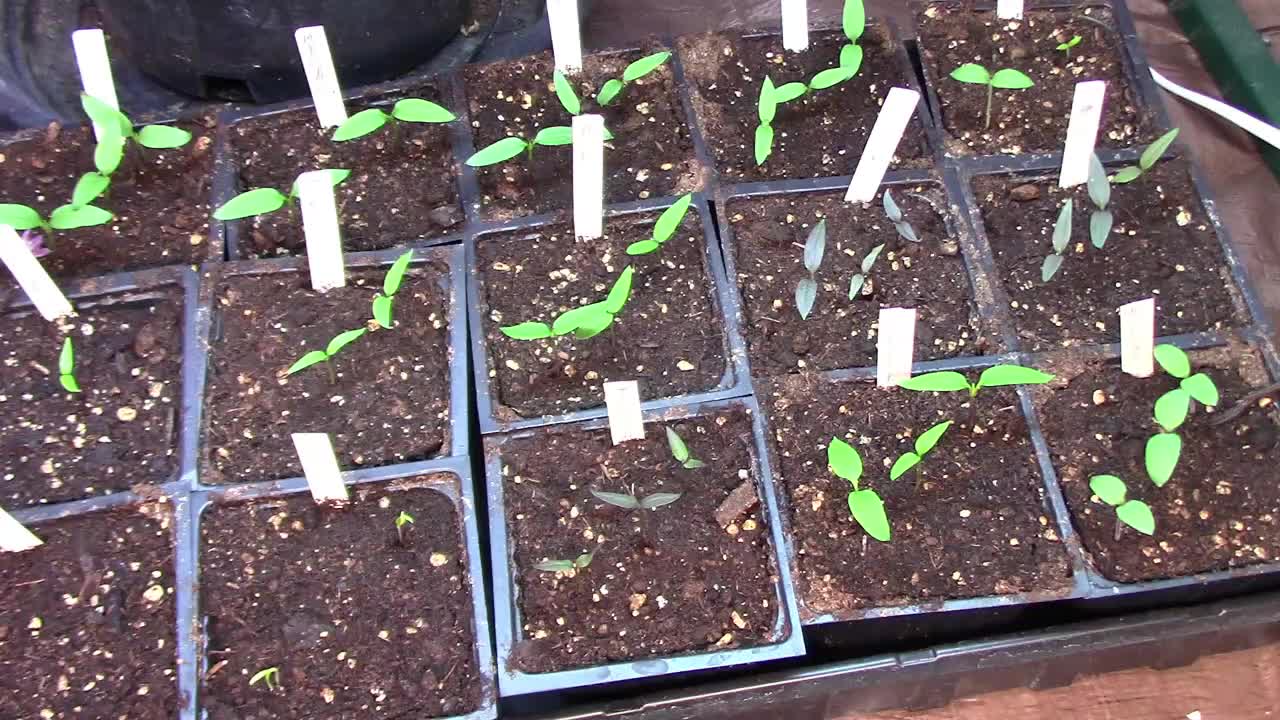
1061	240
1066	46
633	72
585	321
664	228
1150	156
1134	513
628	501
117	131
1100	220
67	367
338	342
566	566
1006	79
807	288
680	451
261	201
859	280
894	213
923	444
402	519
382	302
1171	410
267	676
415	110
64	217
864	503
510	147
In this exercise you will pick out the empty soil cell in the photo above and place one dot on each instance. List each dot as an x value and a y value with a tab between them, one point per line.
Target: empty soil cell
383	399
1221	507
969	521
87	619
402	189
1162	245
769	235
669	336
359	619
664	582
651	154
121	430
160	200
819	135
1031	120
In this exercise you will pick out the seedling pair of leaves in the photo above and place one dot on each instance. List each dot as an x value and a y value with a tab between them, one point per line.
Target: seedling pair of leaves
1066	46
583	322
680	451
864	503
382	303
1006	79
1100	220
415	110
994	376
65	217
261	201
904	230
509	147
627	501
1171	410
666	226
1150	156
581	562
402	519
67	367
1134	513
612	88
267	676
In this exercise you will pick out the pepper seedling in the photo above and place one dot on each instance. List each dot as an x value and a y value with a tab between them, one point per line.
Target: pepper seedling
509	147
1100	220
664	228
584	322
117	131
859	280
894	213
633	72
923	444
1006	79
390	286
807	288
1164	448
261	201
1134	513
64	217
338	342
627	501
581	562
1066	46
415	110
402	519
771	97
1147	160
680	451
67	367
994	376
864	503
267	676
1061	241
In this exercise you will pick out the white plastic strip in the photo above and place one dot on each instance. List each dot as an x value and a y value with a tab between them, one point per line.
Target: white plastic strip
320	465
622	399
14	536
1082	132
95	68
320	224
795	25
31	276
895	346
1137	337
566	39
1009	9
588	176
882	144
1269	134
317	63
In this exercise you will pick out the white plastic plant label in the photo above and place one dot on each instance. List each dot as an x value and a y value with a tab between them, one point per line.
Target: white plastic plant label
1009	9
31	276
14	536
95	68
588	176
795	25
566	38
1082	132
622	399
317	63
320	465
895	347
1138	337
320	224
898	109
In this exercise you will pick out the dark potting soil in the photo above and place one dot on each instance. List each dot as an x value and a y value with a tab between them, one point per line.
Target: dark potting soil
87	620
1219	510
360	620
668	336
969	521
822	134
651	154
1035	119
1162	245
402	188
386	401
160	199
662	582
769	237
121	430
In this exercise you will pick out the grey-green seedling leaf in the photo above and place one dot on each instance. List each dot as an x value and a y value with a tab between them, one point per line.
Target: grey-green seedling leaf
764	143
891	208
657	500
564	91
501	151
609	91
790	91
382	310
89	187
671	218
162	137
1098	185
831	77
1010	79
421	111
395	276
1127	175
1161	456
1137	515
806	295
971	73
106	117
1155	150
679	450
851	58
1172	408
1002	375
360	124
1173	360
527	331
644	66
855	285
622	500
254	202
903	464
342	340
814	246
306	361
869	260
1100	222
1109	488
67	358
1062	228
583	560
929	438
767	104
853	19
1050	267
642	247
868	509
844	460
944	381
1202	388
554	566
620	291
554	136
20	217
70	217
336	176
108	153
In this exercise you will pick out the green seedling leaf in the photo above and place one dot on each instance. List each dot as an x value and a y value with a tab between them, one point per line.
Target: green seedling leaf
69	383
1173	360
501	151
891	209
583	560
790	91
1010	79
70	217
106	117
395	276
764	143
162	137
1137	515
1100	222
1202	388
360	124
254	202
642	247
1062	228
1161	457
108	154
421	111
593	324
869	260
306	361
944	381
1098	185
903	464
1002	375
622	500
20	217
831	77
671	218
1172	408
89	187
851	58
527	331
868	509
1074	41
620	291
767	104
693	464
679	450
609	91
1109	488
657	500
855	285
336	176
844	460
1050	267
644	66
382	310
554	566
814	246
67	358
1155	150
853	19
929	438
554	136
806	295
1126	175
971	73
342	340
266	675
571	320
564	90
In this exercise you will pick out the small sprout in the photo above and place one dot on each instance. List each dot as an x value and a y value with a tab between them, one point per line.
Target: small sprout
117	130
858	280
407	110
584	322
1061	240
680	451
1171	409
926	442
1066	46
509	147
64	217
627	501
894	213
67	367
564	91
261	201
402	519
865	505
807	288
1100	220
390	286
664	228
268	676
995	376
1134	513
1150	156
1006	79
578	563
633	72
339	341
